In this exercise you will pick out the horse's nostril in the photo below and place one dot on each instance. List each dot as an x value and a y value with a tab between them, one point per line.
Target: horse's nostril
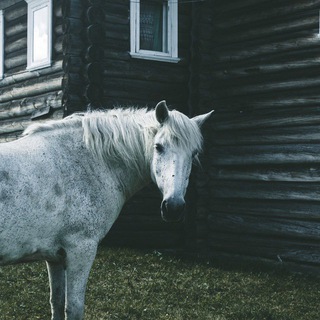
172	209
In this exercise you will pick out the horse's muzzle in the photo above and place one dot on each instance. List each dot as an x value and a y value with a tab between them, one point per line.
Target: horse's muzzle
172	210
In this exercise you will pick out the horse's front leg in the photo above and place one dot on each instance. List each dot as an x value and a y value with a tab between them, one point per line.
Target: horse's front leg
78	265
57	282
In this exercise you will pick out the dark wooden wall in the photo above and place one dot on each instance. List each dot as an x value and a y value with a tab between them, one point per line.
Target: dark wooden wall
24	93
265	166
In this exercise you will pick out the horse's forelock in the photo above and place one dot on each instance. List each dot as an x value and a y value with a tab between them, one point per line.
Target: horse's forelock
182	131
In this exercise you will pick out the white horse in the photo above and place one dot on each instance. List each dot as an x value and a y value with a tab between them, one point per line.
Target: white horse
64	183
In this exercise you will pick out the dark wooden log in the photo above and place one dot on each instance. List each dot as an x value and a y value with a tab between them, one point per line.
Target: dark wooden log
266	155
72	64
73	26
262	136
13	29
14	80
265	190
7	3
58	45
94	53
267	119
20	108
15	44
94	94
95	14
72	9
95	34
253	51
72	44
14	127
301	173
273	208
268	227
17	11
94	73
16	59
73	82
32	88
283	252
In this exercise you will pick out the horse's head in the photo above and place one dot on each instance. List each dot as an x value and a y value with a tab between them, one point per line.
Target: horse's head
176	145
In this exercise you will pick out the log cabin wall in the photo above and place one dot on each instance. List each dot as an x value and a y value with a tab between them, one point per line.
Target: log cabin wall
265	166
25	94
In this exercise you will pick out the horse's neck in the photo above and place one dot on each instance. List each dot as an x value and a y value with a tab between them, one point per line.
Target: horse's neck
125	178
129	180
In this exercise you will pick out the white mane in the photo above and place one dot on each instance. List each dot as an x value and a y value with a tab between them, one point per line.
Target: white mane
127	135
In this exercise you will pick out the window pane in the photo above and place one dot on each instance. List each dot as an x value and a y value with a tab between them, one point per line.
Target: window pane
153	25
40	34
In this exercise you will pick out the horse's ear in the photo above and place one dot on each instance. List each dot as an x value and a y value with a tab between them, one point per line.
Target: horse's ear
201	119
162	112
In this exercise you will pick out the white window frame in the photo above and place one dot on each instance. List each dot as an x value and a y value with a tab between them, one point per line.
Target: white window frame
33	6
1	44
172	34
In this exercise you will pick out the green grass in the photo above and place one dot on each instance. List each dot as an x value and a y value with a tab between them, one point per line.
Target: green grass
131	284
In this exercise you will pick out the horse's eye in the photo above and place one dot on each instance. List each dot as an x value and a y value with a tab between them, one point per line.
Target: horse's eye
159	147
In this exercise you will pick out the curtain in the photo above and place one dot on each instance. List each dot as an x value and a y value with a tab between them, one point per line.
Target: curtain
151	25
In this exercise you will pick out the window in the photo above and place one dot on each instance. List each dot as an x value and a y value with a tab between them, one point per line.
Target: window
39	33
1	43
154	29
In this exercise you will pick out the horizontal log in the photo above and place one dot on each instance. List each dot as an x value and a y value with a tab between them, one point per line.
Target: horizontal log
254	50
17	11
94	53
58	46
72	64
94	14
262	136
24	76
14	127
279	250
268	227
95	34
7	3
16	59
72	44
277	154
116	31
58	29
16	44
135	71
31	88
268	118
13	29
9	137
72	9
265	68
280	12
263	29
305	191
274	86
72	25
279	173
94	73
284	208
19	108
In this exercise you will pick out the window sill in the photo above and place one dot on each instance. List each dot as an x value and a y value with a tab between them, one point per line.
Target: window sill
154	57
35	67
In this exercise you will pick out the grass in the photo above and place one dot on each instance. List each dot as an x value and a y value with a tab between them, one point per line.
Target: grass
130	284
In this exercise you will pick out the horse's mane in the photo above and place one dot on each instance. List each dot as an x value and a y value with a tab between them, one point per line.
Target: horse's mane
127	135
